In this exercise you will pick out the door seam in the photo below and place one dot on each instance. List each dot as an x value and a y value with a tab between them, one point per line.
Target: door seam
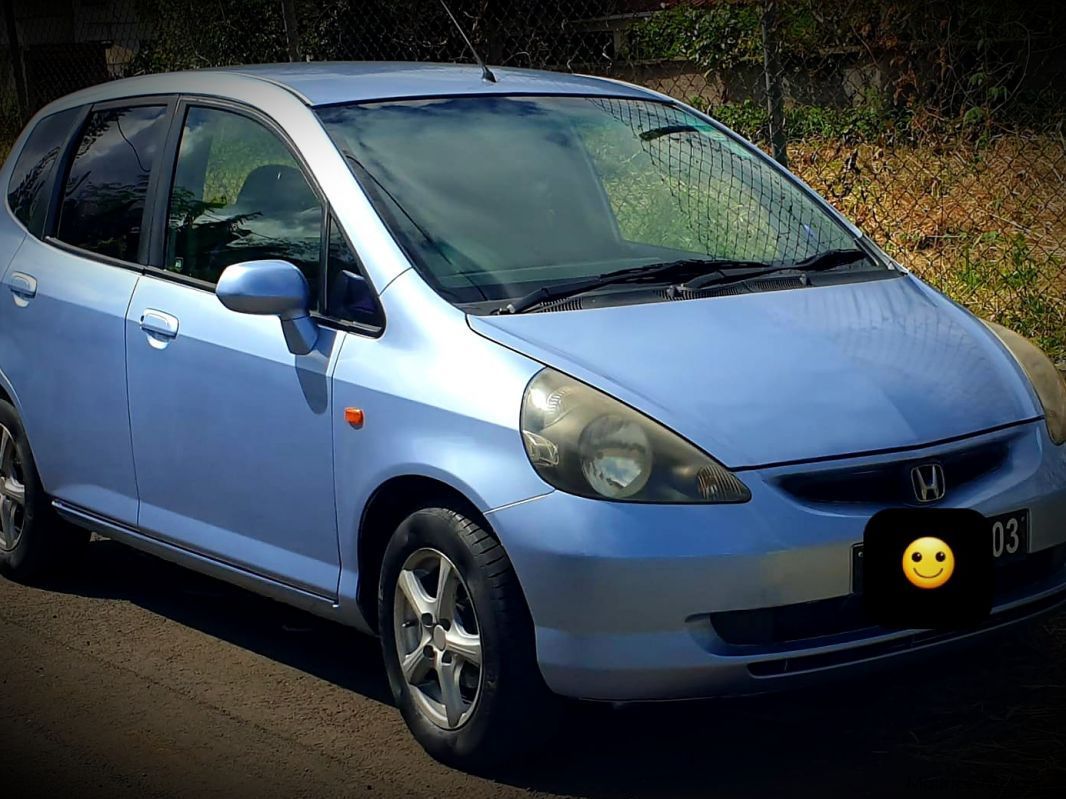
129	404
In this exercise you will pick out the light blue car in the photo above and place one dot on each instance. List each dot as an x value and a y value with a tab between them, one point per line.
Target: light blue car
553	382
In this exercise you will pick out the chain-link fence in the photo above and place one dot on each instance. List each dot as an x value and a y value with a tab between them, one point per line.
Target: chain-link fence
936	125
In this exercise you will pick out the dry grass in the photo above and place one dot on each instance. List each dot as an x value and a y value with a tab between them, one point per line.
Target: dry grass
987	225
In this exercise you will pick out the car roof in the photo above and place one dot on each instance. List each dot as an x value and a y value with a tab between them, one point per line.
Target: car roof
331	82
328	82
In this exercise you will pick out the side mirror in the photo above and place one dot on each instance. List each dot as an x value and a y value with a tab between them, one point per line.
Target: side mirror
272	288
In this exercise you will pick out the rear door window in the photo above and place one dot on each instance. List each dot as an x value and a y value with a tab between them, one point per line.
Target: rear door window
31	181
106	190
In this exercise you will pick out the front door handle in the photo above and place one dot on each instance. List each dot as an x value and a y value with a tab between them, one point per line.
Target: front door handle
159	324
23	286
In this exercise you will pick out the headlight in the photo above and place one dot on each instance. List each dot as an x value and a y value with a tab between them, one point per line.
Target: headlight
1046	380
584	442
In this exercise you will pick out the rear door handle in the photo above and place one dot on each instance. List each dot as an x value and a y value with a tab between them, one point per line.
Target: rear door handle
158	323
23	286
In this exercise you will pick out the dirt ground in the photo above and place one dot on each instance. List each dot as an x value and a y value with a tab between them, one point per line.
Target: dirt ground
136	678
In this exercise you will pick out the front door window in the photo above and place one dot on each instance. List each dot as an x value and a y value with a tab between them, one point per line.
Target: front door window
239	195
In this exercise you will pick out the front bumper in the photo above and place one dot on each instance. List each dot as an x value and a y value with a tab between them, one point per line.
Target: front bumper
629	600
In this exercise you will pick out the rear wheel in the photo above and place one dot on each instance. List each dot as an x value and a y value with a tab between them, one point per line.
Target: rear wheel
33	540
458	642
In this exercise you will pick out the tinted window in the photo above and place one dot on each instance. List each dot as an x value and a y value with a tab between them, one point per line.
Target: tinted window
348	295
32	180
239	195
105	193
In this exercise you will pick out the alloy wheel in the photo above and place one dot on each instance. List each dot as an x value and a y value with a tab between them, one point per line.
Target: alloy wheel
12	492
438	640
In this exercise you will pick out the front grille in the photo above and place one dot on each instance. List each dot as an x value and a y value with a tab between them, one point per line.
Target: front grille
792	624
890	483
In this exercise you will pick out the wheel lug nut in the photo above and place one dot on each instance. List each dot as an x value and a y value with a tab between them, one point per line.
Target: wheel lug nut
446	657
428	651
427	620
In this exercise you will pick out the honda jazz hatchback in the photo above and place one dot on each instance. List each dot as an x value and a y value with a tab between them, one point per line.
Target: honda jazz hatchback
553	383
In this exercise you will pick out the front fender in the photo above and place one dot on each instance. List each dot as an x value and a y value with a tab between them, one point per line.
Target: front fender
438	401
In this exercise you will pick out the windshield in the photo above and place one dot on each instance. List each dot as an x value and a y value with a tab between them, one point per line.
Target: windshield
495	197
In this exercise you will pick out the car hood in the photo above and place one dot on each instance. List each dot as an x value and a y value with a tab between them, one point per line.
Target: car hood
768	378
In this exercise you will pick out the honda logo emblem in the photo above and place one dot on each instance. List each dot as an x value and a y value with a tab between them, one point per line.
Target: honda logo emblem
928	482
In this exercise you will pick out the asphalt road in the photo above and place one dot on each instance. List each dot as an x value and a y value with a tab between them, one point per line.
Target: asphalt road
136	678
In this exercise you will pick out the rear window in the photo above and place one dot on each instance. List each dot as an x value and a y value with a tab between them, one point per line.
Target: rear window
34	175
105	193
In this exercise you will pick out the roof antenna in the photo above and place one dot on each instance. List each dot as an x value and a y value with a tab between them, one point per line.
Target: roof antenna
486	73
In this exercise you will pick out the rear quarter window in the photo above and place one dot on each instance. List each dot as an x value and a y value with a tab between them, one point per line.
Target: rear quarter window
33	177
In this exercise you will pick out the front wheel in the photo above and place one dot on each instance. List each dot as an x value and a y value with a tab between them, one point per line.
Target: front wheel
458	642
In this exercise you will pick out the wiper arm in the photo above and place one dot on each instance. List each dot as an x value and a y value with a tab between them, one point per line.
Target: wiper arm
667	271
819	262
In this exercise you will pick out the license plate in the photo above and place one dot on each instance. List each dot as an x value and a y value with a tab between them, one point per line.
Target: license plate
1010	541
1010	535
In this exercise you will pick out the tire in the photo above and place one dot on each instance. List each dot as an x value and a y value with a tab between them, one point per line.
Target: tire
504	708
34	542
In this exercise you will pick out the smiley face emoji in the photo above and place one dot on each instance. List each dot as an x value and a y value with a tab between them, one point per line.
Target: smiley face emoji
928	562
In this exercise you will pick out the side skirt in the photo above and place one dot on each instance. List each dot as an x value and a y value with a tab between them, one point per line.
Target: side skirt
326	607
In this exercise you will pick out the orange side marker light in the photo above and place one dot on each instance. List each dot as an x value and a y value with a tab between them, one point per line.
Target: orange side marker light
354	416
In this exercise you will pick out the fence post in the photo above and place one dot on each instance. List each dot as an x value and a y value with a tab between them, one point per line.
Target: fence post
292	34
18	69
775	95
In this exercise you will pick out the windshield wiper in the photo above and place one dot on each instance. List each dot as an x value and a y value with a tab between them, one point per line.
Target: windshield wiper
820	262
669	271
